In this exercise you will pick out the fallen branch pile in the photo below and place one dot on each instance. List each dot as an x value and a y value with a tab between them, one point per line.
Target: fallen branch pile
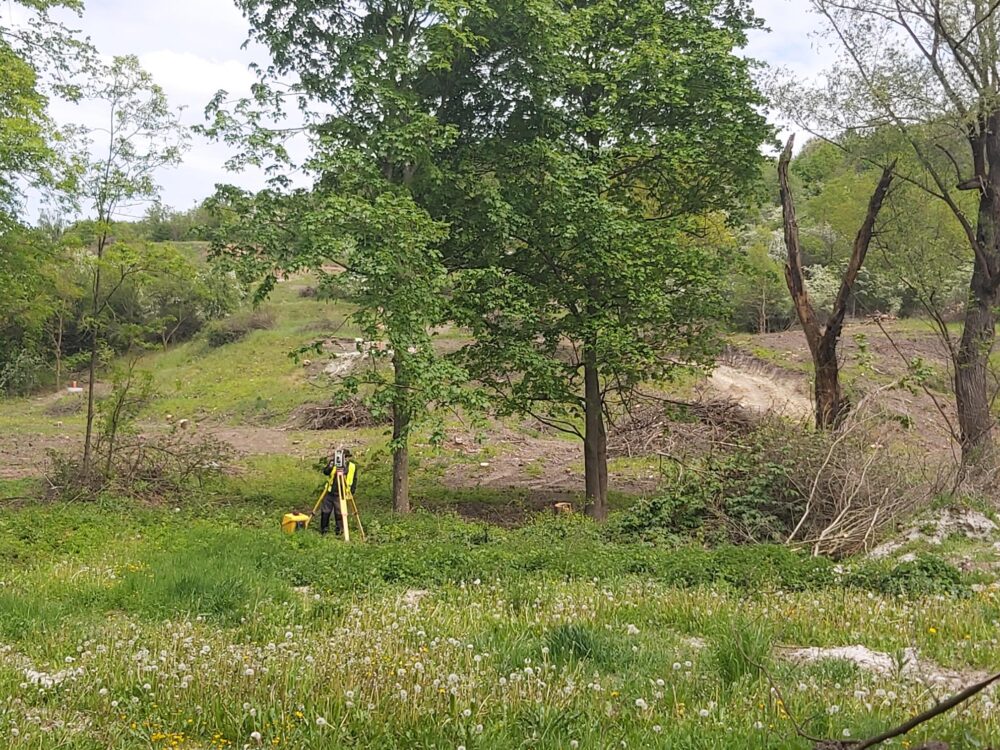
349	414
659	425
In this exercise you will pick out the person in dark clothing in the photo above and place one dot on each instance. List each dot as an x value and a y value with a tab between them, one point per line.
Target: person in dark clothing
331	498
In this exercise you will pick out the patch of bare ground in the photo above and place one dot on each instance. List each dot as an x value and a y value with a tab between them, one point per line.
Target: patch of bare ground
760	386
781	383
908	666
24	456
541	465
514	513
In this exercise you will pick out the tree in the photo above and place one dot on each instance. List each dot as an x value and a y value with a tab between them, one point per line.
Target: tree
930	70
24	307
365	75
615	135
142	135
67	289
757	286
822	341
39	56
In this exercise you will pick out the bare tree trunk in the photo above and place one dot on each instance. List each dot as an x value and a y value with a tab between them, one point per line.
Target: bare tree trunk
400	451
58	339
88	443
972	359
830	405
595	442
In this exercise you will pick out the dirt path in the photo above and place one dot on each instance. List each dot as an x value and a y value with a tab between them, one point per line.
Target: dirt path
759	392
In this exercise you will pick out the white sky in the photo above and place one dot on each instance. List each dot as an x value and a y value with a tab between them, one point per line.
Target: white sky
193	48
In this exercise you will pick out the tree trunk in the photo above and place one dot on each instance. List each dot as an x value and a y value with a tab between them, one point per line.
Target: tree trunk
88	443
823	342
971	368
976	423
595	442
92	370
400	451
58	352
829	398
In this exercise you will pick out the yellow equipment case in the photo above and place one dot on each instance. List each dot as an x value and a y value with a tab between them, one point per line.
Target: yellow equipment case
292	522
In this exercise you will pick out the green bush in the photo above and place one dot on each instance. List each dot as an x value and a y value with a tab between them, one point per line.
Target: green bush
756	489
236	327
927	575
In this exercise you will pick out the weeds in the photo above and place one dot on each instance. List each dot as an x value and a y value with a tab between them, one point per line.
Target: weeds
833	493
183	627
741	650
236	327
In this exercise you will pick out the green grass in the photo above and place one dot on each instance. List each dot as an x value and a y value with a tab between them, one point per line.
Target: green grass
201	626
254	379
195	623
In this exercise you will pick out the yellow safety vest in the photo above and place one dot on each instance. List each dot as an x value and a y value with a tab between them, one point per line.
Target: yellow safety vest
348	480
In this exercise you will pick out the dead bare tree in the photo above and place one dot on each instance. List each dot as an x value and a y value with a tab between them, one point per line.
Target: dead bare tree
929	70
830	405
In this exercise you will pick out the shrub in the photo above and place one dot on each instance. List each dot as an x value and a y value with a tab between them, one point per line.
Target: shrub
779	483
927	575
236	327
132	465
21	373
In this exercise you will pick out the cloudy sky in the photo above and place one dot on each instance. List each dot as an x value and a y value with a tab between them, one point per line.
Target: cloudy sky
193	49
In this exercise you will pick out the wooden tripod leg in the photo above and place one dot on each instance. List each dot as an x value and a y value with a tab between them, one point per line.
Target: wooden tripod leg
357	515
342	501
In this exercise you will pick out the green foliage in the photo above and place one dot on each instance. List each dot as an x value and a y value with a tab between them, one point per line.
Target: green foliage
236	327
744	494
760	302
371	101
24	129
927	575
589	248
742	649
19	373
161	295
30	150
915	269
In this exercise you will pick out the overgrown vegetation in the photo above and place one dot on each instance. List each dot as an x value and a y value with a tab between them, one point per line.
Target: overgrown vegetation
518	221
670	641
235	327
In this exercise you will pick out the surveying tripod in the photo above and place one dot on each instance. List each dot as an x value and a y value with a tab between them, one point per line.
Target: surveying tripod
345	501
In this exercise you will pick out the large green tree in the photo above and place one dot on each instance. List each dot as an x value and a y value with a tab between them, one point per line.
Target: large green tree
39	56
365	79
605	137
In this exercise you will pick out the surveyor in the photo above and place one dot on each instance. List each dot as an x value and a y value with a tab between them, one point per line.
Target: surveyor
339	463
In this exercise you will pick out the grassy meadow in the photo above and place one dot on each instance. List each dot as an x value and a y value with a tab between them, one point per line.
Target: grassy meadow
193	622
